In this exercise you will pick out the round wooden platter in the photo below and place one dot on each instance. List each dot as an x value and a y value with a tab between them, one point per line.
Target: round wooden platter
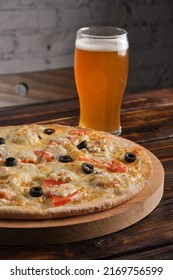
20	232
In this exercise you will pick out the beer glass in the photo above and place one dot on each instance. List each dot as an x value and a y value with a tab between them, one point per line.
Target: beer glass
101	69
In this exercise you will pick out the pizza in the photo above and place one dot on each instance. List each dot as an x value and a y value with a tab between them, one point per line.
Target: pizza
54	171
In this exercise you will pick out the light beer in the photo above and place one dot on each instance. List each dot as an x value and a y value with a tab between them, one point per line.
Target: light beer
101	69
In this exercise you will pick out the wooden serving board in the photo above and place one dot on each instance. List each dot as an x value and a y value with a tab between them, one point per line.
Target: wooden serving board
17	232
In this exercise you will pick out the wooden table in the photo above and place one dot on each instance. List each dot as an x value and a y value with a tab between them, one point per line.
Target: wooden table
147	118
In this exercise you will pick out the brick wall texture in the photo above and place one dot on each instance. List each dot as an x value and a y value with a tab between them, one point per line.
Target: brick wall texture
40	34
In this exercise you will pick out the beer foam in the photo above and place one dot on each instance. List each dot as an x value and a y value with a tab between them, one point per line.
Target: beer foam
108	45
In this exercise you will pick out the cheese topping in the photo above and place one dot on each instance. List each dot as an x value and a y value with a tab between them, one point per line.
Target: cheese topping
63	190
38	165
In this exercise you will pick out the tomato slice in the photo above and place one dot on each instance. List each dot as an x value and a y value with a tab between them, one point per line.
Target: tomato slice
58	200
44	155
61	200
116	166
26	160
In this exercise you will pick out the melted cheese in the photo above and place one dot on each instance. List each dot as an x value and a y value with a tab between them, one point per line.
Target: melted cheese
27	135
63	190
23	141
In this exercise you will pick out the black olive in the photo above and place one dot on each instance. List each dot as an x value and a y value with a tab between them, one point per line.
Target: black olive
49	131
2	141
130	157
65	159
10	161
82	145
87	167
36	191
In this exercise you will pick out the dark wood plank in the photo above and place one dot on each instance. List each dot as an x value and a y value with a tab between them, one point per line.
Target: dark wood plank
39	112
42	86
147	119
148	99
159	253
148	125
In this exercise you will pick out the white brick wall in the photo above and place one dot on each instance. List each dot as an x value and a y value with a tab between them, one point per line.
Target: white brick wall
18	20
7	43
40	34
47	18
37	34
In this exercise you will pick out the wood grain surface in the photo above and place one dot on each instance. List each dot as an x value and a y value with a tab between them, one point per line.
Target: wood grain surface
36	87
147	118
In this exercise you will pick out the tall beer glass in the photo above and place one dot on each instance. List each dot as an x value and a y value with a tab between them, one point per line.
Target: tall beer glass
101	69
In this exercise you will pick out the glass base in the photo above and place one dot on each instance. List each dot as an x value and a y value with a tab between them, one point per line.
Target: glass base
117	132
